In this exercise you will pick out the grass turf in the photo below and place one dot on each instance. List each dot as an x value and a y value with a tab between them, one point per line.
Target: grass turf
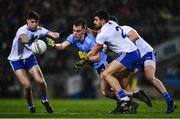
16	108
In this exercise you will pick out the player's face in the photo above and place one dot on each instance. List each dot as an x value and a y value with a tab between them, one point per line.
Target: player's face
97	23
78	31
32	24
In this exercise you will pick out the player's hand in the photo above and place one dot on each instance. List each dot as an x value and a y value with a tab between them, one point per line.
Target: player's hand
79	65
77	68
82	56
50	42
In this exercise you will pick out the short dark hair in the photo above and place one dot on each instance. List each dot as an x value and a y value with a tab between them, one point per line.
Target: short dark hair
113	18
80	22
102	14
33	15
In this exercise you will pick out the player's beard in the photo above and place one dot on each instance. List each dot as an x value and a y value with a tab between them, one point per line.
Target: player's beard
97	27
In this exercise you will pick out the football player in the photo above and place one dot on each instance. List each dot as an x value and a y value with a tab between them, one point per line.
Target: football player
24	63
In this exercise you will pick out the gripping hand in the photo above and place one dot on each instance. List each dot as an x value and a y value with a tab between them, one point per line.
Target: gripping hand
50	42
79	65
82	56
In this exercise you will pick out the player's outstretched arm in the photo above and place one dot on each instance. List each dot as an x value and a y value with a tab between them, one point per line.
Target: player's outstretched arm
59	46
53	34
63	45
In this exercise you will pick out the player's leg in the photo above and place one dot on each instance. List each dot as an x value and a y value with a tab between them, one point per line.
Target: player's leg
26	84
149	71
38	76
106	91
126	105
124	82
122	62
124	78
140	94
107	75
32	66
22	75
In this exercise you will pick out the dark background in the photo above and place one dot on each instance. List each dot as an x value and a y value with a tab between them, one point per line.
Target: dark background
157	21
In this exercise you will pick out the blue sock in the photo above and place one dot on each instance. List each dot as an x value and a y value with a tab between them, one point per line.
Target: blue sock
133	94
44	98
30	104
121	94
167	97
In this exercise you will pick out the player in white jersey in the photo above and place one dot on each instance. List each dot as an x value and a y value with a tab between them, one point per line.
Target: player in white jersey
106	90
23	61
147	64
127	54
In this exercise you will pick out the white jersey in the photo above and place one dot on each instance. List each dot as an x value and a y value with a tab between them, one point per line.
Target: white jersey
113	36
140	43
20	50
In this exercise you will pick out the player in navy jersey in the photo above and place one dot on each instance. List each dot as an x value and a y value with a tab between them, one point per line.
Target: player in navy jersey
23	60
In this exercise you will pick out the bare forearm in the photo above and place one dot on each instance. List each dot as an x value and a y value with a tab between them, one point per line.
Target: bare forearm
53	34
133	36
94	58
59	46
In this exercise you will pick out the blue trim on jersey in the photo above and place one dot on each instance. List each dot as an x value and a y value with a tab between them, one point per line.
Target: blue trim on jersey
128	59
147	56
27	63
86	46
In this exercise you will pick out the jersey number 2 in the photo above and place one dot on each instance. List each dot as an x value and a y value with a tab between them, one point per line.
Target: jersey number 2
122	32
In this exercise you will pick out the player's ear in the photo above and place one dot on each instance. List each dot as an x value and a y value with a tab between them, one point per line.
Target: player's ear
84	30
27	21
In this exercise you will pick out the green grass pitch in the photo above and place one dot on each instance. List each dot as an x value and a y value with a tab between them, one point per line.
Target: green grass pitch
16	108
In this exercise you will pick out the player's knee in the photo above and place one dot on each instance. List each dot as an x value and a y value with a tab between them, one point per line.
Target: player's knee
26	85
41	81
150	77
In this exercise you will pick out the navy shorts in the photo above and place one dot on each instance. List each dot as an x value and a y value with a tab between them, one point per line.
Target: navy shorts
27	63
129	60
147	56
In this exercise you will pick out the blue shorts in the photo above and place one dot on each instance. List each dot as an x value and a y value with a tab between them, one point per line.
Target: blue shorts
103	66
128	59
27	63
147	56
